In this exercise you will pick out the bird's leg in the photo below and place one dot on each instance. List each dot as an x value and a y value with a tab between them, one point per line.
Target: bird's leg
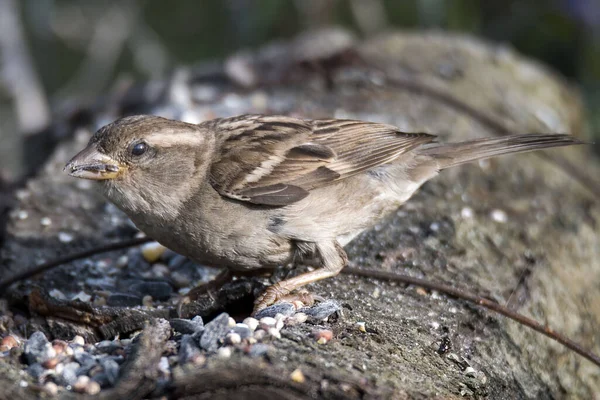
334	259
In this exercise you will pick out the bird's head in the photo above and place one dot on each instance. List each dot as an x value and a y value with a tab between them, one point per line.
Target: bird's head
146	164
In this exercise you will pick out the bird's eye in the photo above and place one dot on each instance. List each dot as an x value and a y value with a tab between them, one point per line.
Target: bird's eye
139	149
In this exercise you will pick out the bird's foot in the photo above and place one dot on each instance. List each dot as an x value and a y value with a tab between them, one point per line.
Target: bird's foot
301	298
270	296
275	294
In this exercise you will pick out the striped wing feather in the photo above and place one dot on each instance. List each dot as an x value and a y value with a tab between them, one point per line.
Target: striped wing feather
274	160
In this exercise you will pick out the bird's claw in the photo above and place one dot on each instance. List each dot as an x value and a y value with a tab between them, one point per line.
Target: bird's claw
270	296
275	294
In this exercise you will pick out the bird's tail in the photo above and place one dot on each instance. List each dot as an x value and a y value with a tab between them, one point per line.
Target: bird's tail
453	154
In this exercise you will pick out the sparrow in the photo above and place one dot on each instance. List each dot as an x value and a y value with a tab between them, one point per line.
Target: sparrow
256	191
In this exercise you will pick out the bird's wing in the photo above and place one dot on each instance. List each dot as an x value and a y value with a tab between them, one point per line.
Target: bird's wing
274	160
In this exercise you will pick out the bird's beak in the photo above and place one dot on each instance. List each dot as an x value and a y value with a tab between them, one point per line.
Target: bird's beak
89	163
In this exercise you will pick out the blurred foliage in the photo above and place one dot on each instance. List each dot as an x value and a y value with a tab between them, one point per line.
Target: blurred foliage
562	33
80	47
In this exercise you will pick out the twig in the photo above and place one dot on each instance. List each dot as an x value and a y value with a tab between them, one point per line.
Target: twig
461	294
369	273
4	283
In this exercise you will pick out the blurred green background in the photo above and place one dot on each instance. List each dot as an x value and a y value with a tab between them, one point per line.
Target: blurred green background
78	48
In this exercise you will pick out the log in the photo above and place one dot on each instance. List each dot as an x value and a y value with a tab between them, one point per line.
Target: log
521	230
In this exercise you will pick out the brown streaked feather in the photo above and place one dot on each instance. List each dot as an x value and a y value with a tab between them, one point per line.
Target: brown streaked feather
278	160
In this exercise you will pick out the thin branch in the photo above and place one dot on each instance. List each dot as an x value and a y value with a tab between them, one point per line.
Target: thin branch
369	273
105	46
27	273
18	72
490	305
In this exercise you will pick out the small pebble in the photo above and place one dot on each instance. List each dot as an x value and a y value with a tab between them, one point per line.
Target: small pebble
93	388
60	346
214	332
231	322
466	212
152	251
362	326
252	323
51	363
187	326
267	322
111	369
36	370
38	349
65	237
189	351
8	343
122	261
421	291
499	216
297	376
280	321
161	271
108	346
81	384
259	334
323	336
286	309
51	388
322	310
296	319
70	372
233	338
224	352
164	367
22	214
45	221
82	296
78	340
242	330
470	371
275	333
57	294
